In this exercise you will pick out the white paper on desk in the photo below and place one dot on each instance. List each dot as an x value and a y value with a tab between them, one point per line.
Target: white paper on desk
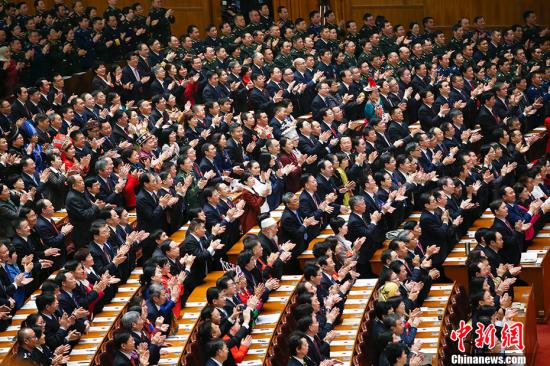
132	280
191	315
262	330
365	282
290	277
275	214
267	319
458	250
30	305
85	351
178	337
8	339
127	289
414	216
429	351
112	308
353	311
103	319
169	361
20	316
340	354
196	304
121	299
360	292
282	299
186	326
307	252
528	257
256	351
100	328
455	259
441	287
355	301
173	349
137	271
90	340
260	340
285	289
429	340
254	230
436	298
487	216
427	309
471	234
342	343
251	363
429	319
78	363
428	329
353	322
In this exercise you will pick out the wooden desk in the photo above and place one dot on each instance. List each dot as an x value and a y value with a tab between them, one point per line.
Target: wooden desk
188	321
263	333
358	302
103	323
7	337
430	329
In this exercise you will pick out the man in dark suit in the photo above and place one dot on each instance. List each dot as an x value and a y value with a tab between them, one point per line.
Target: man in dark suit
234	147
218	352
259	98
106	258
208	164
292	227
487	117
68	301
512	235
427	115
159	85
298	348
81	211
211	92
434	228
46	228
320	100
360	226
318	349
19	107
31	178
125	346
119	131
159	304
130	322
203	248
47	307
137	82
309	144
214	216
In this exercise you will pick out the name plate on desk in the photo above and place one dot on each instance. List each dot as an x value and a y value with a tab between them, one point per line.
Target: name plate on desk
256	351
196	304
342	343
86	351
262	330
260	340
290	277
366	282
353	311
436	298
428	329
360	292
191	315
285	289
281	299
251	363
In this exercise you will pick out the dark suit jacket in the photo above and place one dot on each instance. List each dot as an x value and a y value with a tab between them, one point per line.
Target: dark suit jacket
428	117
203	259
150	215
81	215
316	104
210	93
156	88
260	100
101	262
20	110
487	122
434	232
513	242
235	151
121	360
293	230
49	233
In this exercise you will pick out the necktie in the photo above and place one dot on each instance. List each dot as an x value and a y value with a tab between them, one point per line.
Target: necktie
315	200
106	252
136	74
53	225
197	170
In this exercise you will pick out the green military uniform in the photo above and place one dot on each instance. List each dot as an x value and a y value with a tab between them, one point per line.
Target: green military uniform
505	77
350	60
365	56
438	49
294	53
456	44
415	60
388	66
248	51
387	44
404	64
283	61
212	65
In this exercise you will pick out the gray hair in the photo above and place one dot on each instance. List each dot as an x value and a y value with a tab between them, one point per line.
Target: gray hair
355	200
403	236
155	290
101	164
287	197
129	319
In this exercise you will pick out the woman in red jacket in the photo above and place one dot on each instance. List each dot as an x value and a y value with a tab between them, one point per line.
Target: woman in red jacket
292	180
253	203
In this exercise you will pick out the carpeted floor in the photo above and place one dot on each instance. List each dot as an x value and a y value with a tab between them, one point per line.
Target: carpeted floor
543	352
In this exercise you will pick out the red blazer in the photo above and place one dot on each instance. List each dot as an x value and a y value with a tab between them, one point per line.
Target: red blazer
547	124
292	180
251	209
